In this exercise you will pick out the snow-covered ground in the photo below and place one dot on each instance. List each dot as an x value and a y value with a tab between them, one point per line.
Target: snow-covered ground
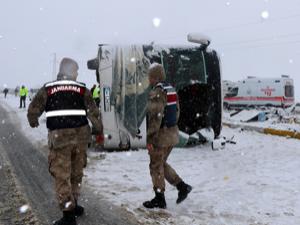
289	121
256	181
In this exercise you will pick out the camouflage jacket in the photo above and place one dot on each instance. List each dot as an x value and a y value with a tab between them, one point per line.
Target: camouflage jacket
60	137
157	135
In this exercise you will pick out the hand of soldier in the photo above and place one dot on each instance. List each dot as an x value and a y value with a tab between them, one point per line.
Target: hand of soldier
96	131
100	139
34	123
150	147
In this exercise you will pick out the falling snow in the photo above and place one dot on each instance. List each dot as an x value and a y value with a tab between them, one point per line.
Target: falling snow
265	15
156	22
3	121
24	208
67	205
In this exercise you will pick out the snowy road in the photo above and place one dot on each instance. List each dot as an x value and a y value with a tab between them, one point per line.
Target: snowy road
31	169
255	182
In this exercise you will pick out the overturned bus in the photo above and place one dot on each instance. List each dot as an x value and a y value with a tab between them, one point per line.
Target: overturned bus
193	69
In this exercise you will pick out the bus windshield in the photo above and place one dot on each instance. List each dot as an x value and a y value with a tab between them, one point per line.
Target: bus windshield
184	66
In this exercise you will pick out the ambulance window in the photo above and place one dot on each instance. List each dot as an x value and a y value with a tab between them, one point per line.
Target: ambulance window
233	92
289	91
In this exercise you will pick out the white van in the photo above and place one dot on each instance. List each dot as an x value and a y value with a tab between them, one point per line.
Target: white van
255	91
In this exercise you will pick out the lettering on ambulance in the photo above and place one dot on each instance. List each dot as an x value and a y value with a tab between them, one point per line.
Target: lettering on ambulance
268	91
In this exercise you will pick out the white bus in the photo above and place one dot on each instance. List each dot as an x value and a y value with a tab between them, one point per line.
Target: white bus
121	71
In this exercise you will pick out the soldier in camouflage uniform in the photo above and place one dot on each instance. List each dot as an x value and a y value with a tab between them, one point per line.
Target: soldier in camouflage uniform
67	104
162	135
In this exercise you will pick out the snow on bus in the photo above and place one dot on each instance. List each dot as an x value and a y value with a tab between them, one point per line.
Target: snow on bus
255	91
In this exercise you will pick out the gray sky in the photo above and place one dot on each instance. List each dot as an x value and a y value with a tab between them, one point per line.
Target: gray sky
32	31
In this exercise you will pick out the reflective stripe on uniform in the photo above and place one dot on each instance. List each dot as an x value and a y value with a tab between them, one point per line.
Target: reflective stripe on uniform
23	92
71	112
62	82
96	93
171	98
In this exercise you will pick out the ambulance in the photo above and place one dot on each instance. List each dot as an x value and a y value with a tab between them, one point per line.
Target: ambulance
255	91
121	71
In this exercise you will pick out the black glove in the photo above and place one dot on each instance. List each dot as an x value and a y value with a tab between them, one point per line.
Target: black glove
34	123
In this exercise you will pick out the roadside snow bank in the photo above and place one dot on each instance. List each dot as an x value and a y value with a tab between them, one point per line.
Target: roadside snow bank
19	117
276	123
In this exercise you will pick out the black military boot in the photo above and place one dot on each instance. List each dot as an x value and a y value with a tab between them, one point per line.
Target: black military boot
183	191
78	210
67	219
157	202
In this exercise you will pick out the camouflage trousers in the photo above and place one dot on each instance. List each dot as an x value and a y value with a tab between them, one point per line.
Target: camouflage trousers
161	170
66	166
